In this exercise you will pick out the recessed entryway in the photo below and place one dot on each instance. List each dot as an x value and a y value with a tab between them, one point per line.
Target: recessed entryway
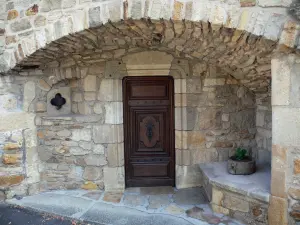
149	131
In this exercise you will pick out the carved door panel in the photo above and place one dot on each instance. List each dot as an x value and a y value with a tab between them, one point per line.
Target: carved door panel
149	131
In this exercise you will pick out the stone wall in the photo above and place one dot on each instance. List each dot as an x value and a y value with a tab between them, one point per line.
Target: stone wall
18	156
239	206
81	145
264	127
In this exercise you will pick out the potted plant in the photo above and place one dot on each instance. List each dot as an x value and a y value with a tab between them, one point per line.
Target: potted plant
241	163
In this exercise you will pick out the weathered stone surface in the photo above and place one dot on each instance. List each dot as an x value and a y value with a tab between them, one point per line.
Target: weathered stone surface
20	25
29	94
81	135
88	185
92	173
277	211
110	90
134	200
114	179
114	197
95	195
114	113
6	181
236	204
174	209
108	134
190	196
294	193
90	83
115	155
297	166
158	201
95	160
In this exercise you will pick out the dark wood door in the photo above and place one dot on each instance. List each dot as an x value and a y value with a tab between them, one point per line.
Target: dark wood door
149	131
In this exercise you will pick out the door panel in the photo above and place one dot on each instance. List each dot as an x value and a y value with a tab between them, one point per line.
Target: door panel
149	131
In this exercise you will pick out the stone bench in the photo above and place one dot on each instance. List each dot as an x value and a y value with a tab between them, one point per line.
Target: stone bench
245	198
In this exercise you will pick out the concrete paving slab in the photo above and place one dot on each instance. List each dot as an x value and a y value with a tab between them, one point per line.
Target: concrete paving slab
125	216
64	205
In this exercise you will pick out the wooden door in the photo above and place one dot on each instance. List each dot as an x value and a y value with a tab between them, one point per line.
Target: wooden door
149	131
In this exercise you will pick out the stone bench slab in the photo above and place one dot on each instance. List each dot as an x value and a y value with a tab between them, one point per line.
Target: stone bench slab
255	186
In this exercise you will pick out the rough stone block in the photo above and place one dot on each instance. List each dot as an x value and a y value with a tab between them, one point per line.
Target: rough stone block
217	197
90	83
6	181
81	135
108	134
296	166
95	160
92	173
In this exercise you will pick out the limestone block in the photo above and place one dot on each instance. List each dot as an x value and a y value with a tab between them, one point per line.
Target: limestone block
92	173
7	181
236	204
85	145
115	155
81	135
64	133
42	84
66	108
214	81
99	108
217	197
90	96
98	149
84	108
28	94
114	178
110	90
40	107
296	166
188	176
114	113
95	160
108	134
180	86
185	118
90	83
77	97
94	16
281	76
194	85
180	100
20	25
277	211
181	139
286	119
220	209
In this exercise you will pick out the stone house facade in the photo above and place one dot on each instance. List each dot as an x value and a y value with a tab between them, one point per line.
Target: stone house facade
221	55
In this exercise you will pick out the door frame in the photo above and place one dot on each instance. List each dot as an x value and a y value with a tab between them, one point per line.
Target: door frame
127	132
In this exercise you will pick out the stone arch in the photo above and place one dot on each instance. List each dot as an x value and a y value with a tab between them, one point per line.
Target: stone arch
28	35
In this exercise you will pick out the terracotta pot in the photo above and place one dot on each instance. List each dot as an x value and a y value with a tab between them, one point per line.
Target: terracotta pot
241	167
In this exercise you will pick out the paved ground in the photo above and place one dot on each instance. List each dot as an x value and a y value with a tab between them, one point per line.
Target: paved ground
15	215
147	206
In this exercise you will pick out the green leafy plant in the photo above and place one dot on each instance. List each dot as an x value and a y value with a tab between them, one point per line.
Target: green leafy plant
240	154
